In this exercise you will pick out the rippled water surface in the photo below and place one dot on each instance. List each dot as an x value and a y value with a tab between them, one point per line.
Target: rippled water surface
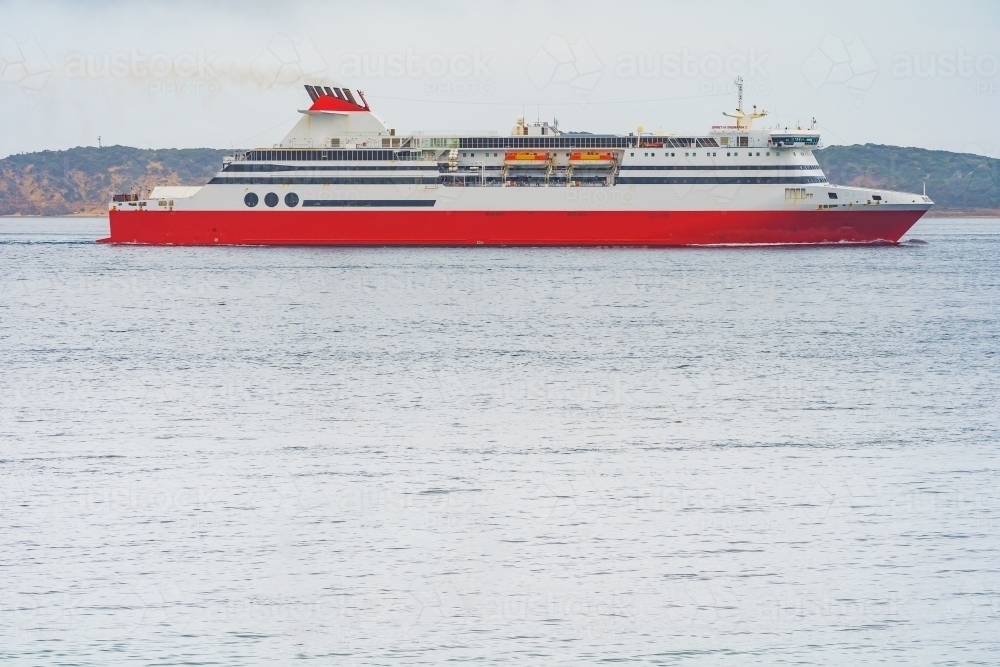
236	456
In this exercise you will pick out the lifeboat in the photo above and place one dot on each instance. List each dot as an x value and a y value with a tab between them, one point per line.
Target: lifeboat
522	159
591	159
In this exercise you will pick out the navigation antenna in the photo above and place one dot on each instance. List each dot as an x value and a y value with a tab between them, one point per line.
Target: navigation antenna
744	121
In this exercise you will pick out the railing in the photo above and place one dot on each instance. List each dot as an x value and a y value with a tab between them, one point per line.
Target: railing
128	197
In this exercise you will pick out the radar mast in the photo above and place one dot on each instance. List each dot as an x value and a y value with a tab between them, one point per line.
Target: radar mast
744	120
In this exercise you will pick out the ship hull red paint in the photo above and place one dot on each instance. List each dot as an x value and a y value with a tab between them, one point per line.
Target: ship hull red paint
509	228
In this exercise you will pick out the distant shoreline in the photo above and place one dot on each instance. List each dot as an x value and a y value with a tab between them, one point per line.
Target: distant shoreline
960	213
79	182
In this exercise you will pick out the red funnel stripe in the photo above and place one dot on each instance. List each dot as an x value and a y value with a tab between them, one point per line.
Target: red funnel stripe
327	103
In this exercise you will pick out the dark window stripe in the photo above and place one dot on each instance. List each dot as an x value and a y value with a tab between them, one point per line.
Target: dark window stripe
575	141
487	143
321	180
366	202
243	167
794	167
716	180
313	155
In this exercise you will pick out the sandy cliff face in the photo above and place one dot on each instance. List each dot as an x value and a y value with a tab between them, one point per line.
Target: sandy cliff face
80	181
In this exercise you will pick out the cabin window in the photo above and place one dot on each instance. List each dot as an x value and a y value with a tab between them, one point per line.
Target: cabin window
832	195
875	197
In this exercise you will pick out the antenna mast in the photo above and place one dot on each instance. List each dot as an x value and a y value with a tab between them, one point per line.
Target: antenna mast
744	121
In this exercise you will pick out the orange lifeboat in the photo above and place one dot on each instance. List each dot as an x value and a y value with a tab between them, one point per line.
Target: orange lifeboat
591	158
522	159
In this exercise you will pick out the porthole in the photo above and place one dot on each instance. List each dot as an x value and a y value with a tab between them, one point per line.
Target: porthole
291	200
271	199
251	199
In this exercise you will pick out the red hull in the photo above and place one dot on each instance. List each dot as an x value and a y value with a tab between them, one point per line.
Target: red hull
512	228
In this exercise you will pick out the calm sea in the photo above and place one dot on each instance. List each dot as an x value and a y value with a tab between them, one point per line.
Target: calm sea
256	456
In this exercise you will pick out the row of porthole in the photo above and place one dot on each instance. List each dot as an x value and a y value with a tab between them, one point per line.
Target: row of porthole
271	199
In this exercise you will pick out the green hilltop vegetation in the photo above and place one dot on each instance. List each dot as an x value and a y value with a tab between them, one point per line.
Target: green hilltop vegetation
79	181
957	182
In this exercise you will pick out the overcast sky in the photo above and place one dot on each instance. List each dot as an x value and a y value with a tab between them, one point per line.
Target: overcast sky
191	74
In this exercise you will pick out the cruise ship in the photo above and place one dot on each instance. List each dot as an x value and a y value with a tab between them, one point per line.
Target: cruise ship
343	177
